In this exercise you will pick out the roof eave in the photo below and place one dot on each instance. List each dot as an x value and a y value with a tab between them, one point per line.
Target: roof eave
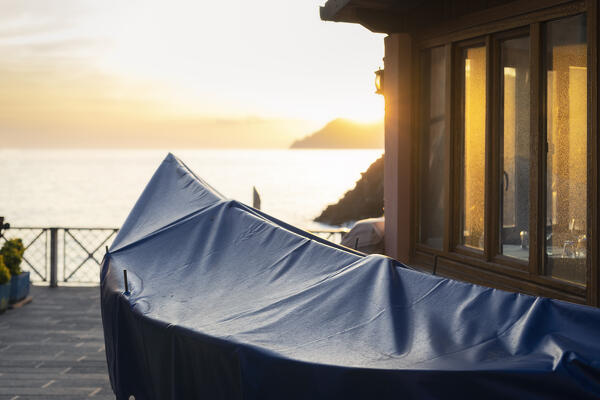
332	10
377	16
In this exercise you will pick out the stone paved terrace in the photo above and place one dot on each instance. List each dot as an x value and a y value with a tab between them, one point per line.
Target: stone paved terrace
53	347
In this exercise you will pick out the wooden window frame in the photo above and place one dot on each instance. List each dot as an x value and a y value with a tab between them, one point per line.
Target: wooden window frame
416	233
497	150
460	261
458	131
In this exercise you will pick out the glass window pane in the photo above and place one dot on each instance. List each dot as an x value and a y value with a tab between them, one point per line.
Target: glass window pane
432	143
514	194
566	160
474	103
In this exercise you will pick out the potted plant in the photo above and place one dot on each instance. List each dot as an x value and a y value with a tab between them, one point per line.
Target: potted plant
13	251
4	285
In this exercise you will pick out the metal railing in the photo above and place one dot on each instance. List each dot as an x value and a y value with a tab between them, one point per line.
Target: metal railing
58	254
74	255
333	235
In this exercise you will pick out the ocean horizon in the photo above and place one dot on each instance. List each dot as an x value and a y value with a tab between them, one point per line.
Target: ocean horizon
98	187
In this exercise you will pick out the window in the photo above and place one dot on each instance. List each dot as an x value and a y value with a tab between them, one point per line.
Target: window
565	62
432	148
473	147
515	136
514	146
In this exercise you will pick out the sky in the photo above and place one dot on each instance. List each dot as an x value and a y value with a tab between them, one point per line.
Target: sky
88	73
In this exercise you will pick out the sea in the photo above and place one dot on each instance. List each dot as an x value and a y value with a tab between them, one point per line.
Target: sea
98	188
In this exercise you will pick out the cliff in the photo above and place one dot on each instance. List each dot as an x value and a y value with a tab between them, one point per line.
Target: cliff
343	134
365	200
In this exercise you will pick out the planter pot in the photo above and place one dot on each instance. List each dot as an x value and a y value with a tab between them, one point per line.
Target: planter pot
4	294
19	287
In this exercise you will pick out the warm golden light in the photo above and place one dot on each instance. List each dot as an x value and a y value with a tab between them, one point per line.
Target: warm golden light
509	139
474	147
567	141
105	75
515	141
566	158
379	81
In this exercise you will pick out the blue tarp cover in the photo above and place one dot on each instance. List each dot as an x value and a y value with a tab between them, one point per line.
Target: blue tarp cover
226	302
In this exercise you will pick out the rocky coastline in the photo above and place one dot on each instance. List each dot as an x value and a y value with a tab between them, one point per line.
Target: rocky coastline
365	200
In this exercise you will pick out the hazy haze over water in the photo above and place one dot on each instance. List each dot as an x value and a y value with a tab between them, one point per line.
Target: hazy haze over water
97	188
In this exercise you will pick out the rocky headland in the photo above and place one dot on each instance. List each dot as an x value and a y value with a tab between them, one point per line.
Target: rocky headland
343	134
365	200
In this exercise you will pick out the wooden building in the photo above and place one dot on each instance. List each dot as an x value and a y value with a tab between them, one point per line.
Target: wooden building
491	149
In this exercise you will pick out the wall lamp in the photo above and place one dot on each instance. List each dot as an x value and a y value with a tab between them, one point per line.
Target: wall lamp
379	81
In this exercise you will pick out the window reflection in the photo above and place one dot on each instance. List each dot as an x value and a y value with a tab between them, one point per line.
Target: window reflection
432	142
514	193
474	102
566	160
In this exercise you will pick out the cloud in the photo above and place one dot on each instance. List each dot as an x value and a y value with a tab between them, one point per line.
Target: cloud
137	72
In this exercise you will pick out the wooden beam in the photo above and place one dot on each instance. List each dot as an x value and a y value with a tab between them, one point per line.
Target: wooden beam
398	145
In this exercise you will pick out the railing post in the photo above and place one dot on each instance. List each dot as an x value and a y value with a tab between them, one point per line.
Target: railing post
53	257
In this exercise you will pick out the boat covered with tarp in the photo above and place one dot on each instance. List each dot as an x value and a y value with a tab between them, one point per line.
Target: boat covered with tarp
226	302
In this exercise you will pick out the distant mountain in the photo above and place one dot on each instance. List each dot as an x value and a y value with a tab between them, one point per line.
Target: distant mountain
343	134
